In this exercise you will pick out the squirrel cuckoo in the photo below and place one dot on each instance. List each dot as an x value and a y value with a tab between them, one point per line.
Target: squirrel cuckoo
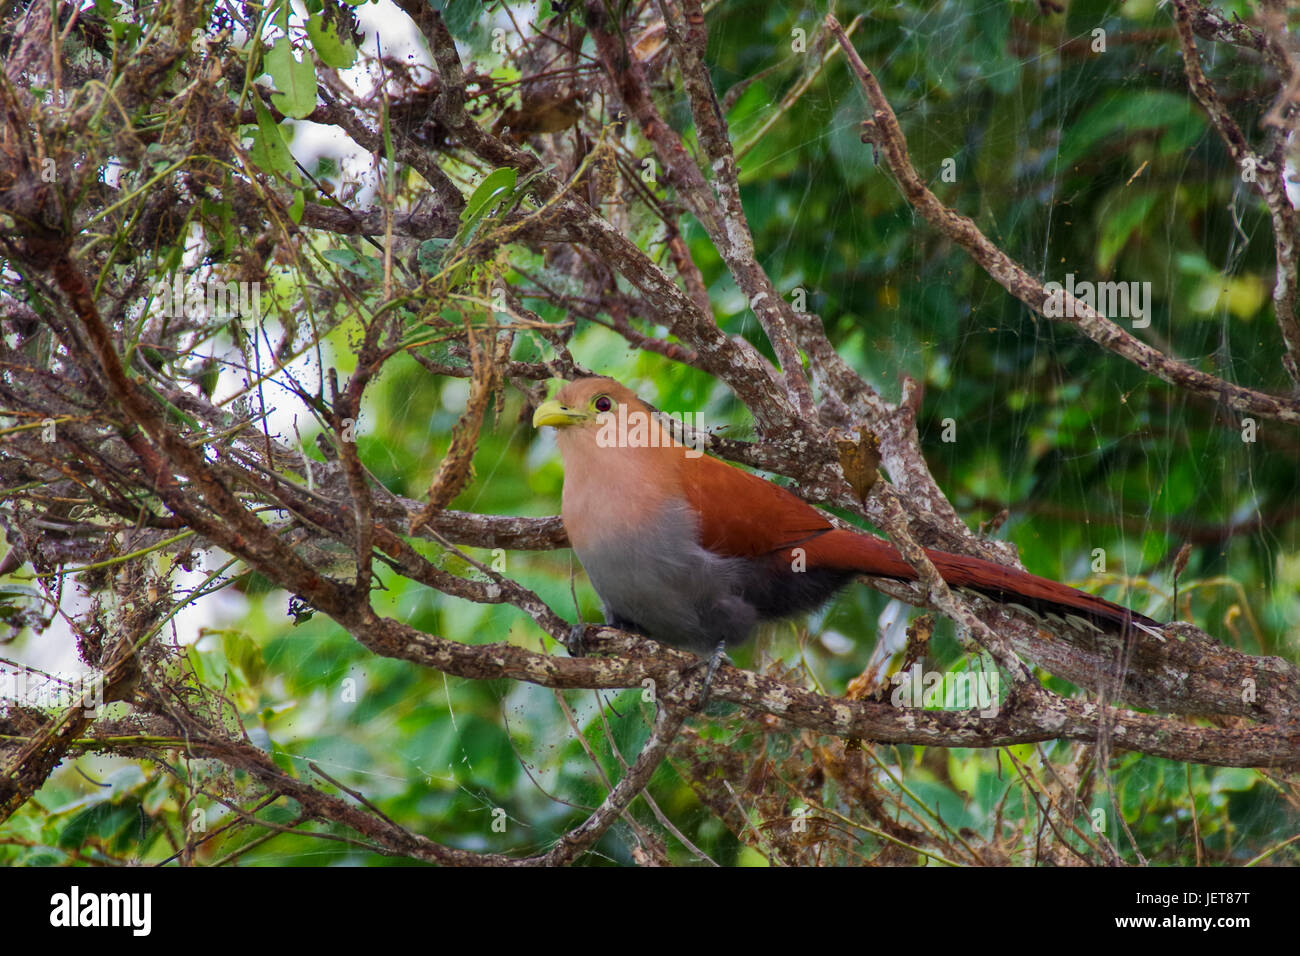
694	552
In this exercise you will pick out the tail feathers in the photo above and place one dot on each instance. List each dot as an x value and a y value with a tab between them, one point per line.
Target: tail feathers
1040	597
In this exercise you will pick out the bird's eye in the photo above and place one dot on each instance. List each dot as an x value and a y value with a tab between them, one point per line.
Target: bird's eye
603	403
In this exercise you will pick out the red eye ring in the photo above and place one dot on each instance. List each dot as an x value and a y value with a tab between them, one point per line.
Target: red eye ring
604	403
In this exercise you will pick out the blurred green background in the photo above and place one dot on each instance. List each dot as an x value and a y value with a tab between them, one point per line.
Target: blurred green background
1073	161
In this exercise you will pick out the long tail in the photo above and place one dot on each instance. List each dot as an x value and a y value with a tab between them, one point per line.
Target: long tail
846	550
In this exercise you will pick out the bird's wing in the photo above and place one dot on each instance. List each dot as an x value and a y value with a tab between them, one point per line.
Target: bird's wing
742	515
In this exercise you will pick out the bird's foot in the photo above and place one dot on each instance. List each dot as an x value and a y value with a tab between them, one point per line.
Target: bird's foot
576	642
715	661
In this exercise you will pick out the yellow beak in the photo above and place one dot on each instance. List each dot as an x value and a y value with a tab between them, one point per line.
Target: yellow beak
553	413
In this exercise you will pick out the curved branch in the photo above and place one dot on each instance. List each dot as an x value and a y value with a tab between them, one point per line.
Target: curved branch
885	132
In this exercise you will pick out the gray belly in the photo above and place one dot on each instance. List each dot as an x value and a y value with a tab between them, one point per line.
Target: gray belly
662	583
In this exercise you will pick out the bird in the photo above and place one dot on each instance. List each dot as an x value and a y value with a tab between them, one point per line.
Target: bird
695	553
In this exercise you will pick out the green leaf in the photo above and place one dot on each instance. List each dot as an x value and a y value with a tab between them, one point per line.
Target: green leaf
430	254
269	152
157	157
18	592
123	32
103	822
496	186
333	50
460	15
295	79
298	205
999	69
1117	226
1127	114
368	267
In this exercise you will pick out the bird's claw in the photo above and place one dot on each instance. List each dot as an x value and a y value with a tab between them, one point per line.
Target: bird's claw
714	662
576	642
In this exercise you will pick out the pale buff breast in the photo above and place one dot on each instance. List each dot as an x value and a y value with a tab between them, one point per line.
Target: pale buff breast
611	491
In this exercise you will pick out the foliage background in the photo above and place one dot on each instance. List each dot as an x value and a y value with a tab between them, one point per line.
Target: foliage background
1072	161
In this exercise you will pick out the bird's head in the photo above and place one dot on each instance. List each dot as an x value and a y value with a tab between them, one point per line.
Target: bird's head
578	404
621	467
